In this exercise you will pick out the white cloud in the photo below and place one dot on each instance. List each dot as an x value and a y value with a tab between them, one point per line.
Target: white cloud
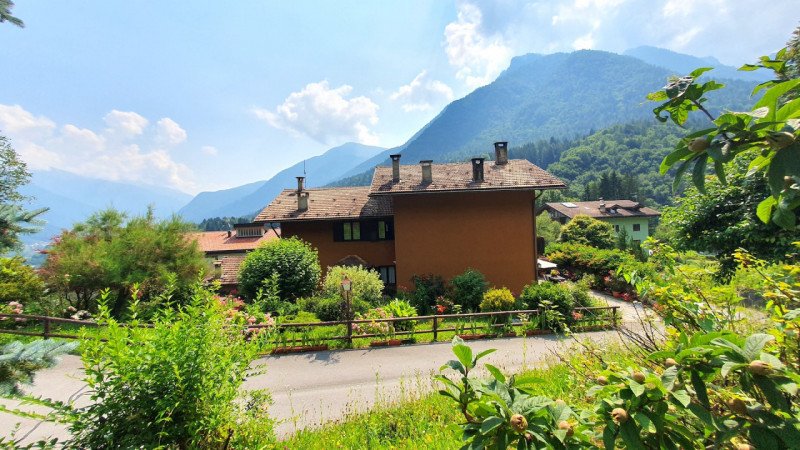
325	114
477	57
126	123
421	93
141	158
209	150
170	132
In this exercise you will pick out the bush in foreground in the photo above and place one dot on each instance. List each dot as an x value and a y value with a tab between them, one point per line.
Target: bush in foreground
497	300
294	261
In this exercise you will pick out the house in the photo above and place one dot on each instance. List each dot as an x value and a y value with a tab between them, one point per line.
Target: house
631	216
425	219
225	250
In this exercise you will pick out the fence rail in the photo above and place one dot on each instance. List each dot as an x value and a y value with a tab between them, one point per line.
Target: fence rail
602	317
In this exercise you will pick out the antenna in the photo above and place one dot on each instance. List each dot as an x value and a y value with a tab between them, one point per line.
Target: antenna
304	167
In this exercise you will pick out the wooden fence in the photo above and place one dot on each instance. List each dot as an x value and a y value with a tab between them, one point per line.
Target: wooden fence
602	317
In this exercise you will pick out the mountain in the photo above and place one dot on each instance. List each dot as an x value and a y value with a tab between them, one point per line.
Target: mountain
562	95
682	64
248	199
72	198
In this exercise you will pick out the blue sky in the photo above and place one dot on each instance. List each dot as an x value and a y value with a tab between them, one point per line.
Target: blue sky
207	95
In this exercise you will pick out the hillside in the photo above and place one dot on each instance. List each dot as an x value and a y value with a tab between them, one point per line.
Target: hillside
682	64
71	198
562	95
248	199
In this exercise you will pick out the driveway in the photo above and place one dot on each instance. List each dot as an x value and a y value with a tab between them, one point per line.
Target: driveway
313	388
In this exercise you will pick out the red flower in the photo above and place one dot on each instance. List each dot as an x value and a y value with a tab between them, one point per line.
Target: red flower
440	309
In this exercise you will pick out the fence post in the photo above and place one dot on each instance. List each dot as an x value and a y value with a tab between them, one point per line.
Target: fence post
542	325
435	328
349	330
46	328
614	316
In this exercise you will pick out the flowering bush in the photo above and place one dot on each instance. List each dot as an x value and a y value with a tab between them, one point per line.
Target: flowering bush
383	329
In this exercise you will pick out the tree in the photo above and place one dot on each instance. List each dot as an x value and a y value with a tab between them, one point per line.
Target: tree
111	251
19	283
586	230
295	262
723	219
771	128
14	220
5	14
547	228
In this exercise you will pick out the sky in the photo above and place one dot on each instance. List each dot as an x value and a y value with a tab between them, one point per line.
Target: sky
202	95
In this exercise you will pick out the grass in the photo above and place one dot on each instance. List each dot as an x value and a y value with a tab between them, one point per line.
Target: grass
431	421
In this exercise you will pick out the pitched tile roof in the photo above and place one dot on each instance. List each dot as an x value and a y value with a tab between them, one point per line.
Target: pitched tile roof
326	204
516	174
219	241
624	208
230	269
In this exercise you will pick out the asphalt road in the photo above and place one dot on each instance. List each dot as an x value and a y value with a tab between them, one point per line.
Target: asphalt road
314	388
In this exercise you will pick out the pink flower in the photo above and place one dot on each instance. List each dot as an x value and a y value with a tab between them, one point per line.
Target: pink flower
251	320
576	315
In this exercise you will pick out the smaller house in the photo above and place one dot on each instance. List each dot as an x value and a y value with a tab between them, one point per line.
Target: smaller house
225	250
629	215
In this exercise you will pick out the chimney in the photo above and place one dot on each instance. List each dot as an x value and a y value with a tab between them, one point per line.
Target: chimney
395	167
500	153
602	205
229	233
427	175
302	200
300	183
477	170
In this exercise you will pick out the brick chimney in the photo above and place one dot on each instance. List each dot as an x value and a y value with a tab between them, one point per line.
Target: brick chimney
602	205
477	170
300	184
427	175
217	269
395	167
302	194
500	153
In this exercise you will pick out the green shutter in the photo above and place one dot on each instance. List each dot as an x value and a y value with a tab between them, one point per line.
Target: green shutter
356	231
348	232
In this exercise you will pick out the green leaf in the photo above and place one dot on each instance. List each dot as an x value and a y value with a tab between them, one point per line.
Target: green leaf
771	96
668	377
699	71
699	388
754	344
490	424
699	173
496	373
764	209
682	397
719	169
630	435
464	354
636	388
644	422
484	353
657	96
669	160
679	174
453	364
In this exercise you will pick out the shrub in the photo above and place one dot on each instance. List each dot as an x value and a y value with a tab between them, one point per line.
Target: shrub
497	300
401	308
559	295
577	260
365	284
295	262
588	231
330	309
173	385
427	290
468	289
19	283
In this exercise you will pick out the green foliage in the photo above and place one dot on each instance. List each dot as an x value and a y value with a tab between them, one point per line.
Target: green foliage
563	297
497	300
328	309
467	289
771	128
295	262
401	308
19	282
577	260
222	223
5	14
175	384
428	289
108	251
547	228
365	284
588	231
15	221
19	362
13	173
723	218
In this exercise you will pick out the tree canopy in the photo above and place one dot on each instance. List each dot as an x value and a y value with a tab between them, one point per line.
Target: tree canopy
588	231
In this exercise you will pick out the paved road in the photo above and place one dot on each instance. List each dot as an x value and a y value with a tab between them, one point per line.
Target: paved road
313	388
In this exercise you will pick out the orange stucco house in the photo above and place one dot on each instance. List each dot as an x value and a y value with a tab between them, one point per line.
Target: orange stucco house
425	219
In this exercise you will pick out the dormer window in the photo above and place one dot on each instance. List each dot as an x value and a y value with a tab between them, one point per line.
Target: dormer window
248	230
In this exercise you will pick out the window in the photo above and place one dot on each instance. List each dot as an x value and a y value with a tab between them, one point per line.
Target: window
387	275
365	230
637	227
248	232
